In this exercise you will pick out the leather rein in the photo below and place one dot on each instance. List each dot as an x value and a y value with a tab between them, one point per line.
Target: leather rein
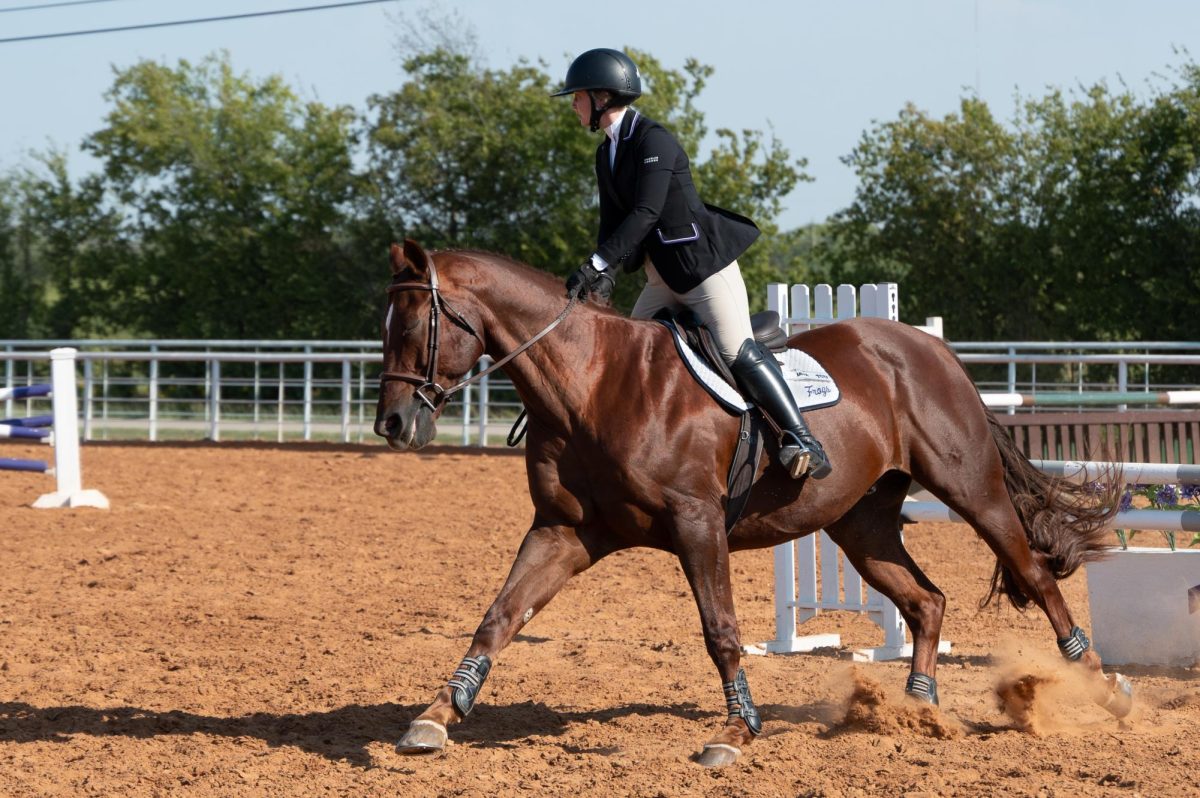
427	383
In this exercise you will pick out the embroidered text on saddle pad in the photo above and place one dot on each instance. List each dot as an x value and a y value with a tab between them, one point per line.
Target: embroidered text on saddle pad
808	380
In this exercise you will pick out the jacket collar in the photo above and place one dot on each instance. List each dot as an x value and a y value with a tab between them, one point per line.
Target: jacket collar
628	125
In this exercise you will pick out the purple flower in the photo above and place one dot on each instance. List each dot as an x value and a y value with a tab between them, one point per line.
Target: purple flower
1190	492
1166	495
1126	501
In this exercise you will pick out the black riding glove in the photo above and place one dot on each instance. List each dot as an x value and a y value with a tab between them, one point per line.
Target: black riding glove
587	279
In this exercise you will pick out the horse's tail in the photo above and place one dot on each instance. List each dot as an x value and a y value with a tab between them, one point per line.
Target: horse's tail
1065	523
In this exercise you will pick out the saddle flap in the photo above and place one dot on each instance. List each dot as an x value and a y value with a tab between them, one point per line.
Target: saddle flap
810	384
718	383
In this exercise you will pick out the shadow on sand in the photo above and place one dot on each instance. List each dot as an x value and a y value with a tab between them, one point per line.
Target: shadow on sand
340	734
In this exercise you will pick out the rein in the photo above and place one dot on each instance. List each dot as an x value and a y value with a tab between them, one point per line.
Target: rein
438	305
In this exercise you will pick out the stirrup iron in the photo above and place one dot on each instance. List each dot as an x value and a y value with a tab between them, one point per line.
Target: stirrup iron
799	465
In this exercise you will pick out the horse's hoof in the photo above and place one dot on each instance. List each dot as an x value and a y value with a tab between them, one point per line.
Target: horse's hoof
422	737
1120	698
717	755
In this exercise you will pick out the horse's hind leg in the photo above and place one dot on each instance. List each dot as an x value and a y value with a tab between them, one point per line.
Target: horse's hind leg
548	557
869	535
997	523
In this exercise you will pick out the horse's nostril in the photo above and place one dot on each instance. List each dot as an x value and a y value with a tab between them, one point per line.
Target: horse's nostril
388	426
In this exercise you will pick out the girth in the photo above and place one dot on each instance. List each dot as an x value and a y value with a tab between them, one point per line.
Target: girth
744	467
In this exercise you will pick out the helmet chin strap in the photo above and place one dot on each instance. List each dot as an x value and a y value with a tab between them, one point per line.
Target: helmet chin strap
597	112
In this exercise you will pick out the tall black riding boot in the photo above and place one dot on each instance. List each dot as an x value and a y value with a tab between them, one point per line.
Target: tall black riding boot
760	377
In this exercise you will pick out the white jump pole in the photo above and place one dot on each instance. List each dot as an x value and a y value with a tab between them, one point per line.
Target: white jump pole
67	471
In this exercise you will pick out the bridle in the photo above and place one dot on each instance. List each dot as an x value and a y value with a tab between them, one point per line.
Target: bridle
427	388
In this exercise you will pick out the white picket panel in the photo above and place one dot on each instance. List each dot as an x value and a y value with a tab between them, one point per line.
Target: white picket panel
798	594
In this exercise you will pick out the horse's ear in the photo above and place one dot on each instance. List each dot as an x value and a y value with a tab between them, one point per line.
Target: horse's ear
397	256
410	256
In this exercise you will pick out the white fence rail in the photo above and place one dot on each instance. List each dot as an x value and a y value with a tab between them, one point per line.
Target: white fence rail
306	390
319	392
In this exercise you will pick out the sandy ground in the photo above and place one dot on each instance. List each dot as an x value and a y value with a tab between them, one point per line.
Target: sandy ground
259	620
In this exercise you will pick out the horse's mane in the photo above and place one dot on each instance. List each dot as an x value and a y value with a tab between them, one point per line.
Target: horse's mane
530	276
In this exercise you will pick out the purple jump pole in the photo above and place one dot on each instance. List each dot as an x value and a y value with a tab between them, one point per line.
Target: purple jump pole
13	464
23	432
25	392
32	421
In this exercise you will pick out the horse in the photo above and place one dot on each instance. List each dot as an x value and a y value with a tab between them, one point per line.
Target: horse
625	449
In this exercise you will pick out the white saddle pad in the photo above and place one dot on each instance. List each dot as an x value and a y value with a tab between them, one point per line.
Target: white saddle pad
811	385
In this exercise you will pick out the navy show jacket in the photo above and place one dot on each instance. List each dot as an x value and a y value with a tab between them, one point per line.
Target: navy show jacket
649	206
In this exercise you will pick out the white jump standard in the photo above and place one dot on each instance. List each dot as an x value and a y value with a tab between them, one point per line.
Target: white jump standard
65	437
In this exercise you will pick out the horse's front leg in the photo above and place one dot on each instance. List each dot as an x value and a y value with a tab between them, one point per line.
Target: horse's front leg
548	557
703	551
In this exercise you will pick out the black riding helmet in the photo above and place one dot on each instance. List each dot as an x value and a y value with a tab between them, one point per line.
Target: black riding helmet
603	69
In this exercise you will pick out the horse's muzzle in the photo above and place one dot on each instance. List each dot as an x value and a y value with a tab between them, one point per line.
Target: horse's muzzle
405	425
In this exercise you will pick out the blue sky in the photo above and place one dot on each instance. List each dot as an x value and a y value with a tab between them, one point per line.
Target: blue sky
818	73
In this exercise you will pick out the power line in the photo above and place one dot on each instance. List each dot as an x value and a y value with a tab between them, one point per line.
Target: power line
149	25
53	5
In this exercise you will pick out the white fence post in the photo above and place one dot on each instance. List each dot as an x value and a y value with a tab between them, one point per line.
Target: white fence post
346	401
484	398
67	471
214	401
152	400
465	440
308	395
9	372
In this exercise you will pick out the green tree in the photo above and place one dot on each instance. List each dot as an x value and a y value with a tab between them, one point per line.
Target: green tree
800	255
71	238
234	198
463	156
1077	221
932	212
21	290
471	157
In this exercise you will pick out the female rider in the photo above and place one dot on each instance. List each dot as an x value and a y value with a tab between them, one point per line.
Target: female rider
651	215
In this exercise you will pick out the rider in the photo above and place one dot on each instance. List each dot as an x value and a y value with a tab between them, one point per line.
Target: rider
651	215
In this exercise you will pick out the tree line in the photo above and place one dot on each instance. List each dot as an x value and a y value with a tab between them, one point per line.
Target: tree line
225	206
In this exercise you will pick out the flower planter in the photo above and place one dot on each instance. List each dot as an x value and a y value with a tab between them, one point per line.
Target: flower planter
1141	607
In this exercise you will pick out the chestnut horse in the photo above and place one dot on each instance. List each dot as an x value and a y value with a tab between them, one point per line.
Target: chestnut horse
624	449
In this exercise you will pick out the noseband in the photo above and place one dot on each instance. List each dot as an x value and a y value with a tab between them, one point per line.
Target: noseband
427	388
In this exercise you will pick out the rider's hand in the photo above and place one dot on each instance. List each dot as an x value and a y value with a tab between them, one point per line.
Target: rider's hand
587	279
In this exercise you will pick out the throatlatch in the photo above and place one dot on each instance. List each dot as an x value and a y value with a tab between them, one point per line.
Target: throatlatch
1073	646
466	681
739	702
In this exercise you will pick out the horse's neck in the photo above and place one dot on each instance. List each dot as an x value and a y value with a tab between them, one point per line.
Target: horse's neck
557	375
